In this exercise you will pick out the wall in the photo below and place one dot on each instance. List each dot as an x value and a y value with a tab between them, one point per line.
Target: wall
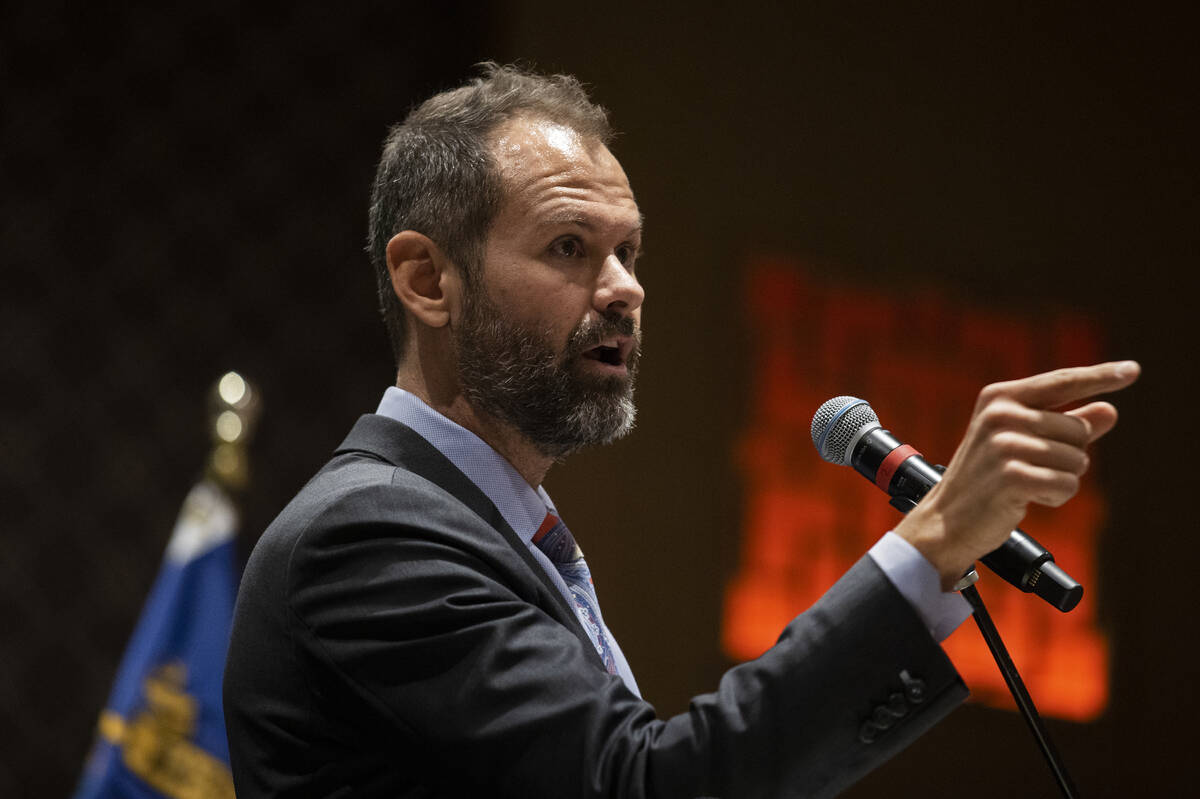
1021	161
185	193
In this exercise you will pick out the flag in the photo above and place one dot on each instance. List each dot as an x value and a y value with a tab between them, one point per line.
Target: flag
162	733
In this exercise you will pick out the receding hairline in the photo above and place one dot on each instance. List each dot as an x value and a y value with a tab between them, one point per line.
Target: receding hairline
508	165
589	141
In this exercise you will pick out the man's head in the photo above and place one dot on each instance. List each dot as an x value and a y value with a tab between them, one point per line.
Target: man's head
536	307
438	174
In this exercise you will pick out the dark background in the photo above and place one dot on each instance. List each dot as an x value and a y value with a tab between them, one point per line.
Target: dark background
184	192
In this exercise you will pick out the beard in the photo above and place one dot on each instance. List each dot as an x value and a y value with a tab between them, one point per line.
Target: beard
512	373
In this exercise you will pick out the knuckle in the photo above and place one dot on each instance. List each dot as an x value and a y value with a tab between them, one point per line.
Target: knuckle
1007	442
1000	414
1014	472
991	392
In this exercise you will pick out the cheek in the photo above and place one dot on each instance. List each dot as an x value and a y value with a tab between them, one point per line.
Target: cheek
539	297
557	311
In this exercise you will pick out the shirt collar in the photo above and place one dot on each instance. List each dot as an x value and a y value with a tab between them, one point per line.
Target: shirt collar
523	507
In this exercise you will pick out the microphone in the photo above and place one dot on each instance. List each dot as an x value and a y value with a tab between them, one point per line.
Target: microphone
847	432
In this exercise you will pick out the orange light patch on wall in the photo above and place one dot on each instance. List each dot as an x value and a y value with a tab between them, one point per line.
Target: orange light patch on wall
806	522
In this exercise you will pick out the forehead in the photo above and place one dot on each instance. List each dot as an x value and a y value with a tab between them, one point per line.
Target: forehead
551	172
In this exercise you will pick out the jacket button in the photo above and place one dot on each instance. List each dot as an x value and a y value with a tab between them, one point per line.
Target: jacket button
914	688
897	706
882	718
868	732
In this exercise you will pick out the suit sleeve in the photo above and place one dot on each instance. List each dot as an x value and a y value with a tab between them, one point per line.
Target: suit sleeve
425	629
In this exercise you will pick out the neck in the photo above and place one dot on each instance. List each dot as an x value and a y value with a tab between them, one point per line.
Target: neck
445	396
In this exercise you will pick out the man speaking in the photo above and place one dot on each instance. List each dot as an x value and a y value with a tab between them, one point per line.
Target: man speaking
420	621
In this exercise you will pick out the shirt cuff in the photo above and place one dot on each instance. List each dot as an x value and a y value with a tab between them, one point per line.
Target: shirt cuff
919	583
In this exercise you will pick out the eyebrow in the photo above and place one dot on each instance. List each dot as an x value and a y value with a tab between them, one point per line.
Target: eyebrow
568	217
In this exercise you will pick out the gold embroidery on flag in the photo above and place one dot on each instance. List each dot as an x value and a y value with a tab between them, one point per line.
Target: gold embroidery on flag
156	744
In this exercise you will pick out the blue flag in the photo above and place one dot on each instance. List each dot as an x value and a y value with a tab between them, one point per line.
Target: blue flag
162	733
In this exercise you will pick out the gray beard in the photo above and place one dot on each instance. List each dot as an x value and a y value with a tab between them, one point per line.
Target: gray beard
512	373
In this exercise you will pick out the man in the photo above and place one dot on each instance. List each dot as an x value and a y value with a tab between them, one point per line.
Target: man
418	621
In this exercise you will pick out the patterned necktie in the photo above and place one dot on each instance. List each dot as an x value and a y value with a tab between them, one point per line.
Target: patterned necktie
556	542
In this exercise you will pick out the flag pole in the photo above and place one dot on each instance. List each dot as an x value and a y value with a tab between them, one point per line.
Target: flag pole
234	406
161	734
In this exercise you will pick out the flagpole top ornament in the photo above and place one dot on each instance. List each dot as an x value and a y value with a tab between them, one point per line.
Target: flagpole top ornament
233	408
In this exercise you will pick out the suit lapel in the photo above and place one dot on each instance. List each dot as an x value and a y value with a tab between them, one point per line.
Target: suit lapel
398	444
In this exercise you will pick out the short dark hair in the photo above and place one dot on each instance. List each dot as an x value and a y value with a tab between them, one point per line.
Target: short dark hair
437	175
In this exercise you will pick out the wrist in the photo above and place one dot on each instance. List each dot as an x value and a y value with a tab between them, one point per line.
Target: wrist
926	530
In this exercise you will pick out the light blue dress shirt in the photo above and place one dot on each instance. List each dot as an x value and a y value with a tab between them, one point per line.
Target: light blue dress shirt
524	508
920	584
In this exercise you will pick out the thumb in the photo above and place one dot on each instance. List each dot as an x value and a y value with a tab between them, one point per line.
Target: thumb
1100	417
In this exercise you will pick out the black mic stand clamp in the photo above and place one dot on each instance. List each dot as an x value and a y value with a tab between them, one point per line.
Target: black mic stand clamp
1008	669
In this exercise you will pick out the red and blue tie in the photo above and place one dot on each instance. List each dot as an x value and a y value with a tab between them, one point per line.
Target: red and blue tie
556	543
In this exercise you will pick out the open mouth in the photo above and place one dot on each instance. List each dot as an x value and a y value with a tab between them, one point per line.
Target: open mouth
608	355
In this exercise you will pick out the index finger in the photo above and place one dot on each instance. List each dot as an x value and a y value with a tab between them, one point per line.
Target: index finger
1052	389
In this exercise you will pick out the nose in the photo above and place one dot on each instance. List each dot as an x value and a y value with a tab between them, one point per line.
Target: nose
618	289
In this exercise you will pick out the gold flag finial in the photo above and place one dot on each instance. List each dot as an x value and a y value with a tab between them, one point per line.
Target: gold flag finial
234	406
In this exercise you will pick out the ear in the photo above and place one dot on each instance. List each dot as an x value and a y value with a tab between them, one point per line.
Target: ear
422	277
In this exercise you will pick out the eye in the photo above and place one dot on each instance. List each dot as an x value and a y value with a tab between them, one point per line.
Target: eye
569	247
626	254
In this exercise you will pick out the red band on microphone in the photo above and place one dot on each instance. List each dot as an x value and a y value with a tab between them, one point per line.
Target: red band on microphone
891	463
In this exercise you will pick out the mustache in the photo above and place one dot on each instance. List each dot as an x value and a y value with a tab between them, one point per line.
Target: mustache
591	333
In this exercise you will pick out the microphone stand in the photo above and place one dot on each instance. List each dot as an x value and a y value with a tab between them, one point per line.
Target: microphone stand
1016	686
1008	669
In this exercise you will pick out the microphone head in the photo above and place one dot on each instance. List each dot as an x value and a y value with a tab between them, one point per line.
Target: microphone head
838	425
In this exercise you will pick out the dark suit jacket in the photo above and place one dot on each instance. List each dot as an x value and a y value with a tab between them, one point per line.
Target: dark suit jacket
394	637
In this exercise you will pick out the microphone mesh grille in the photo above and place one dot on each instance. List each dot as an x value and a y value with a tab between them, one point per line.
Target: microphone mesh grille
837	431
